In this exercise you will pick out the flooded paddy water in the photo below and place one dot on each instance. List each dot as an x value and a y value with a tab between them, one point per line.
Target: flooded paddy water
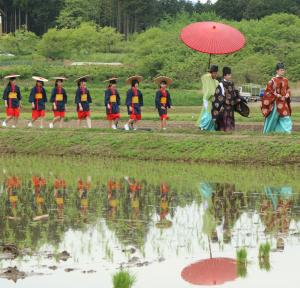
76	222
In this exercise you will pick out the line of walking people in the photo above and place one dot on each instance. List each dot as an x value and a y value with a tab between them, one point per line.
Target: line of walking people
59	99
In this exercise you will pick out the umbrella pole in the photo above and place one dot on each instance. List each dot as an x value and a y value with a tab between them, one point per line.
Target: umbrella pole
209	61
210	254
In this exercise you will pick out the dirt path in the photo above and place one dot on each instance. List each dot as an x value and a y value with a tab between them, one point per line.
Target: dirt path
154	125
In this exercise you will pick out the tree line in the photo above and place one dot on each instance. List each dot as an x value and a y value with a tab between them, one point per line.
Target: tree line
127	16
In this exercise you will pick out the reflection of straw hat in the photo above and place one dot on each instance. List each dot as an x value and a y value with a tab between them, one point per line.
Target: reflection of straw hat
164	224
41	79
135	77
113	79
13	76
85	78
160	79
60	78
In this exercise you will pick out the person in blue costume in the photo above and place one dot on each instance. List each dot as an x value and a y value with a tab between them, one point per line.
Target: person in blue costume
59	100
38	99
134	102
163	100
12	99
83	100
112	103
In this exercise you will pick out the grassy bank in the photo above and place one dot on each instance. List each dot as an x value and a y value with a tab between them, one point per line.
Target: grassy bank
177	145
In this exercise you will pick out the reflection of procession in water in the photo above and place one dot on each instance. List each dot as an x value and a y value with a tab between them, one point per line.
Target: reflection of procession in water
60	187
223	208
113	191
166	198
12	186
134	194
155	218
226	206
83	189
39	198
276	213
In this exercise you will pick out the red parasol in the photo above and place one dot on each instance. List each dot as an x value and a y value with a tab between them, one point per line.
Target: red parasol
213	271
212	38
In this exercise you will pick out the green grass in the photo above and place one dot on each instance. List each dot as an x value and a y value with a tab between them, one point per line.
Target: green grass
241	257
174	145
123	279
264	250
264	256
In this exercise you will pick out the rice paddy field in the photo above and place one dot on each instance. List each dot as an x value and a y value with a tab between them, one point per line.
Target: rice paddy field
113	223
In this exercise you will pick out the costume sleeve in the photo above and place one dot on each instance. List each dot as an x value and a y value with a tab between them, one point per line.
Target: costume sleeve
118	98
169	100
44	95
19	94
106	97
218	102
31	96
205	89
78	96
89	97
269	91
141	100
53	94
157	99
267	102
288	88
65	96
236	94
5	93
129	98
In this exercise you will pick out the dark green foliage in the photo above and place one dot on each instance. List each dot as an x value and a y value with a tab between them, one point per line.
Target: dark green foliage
128	16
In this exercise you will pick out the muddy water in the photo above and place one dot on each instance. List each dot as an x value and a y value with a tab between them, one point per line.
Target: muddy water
76	222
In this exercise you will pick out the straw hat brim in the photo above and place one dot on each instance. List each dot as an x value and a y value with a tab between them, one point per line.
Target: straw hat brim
132	78
111	79
37	78
159	79
60	78
11	76
82	77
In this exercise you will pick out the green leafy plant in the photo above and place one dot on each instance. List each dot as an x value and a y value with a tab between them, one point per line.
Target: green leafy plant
264	256
241	257
123	279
